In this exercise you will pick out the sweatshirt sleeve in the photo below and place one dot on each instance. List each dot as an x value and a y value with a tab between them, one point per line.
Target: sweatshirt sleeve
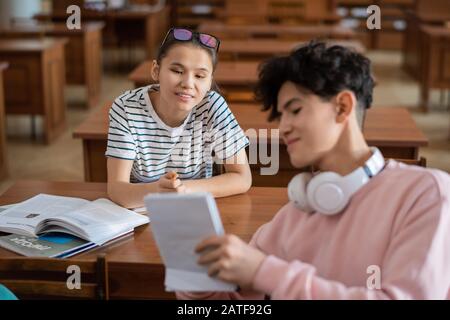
241	295
416	263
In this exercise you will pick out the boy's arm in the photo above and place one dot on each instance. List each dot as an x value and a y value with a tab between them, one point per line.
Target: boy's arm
416	263
241	294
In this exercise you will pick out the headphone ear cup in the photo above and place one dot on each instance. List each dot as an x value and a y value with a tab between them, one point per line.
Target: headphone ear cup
325	193
297	191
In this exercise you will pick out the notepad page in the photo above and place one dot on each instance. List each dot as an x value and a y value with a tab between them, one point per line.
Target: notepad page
179	223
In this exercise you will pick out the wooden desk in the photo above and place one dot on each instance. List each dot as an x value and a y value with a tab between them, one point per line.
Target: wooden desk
228	73
258	49
137	25
83	52
135	267
3	153
298	33
391	129
34	82
413	46
435	61
234	78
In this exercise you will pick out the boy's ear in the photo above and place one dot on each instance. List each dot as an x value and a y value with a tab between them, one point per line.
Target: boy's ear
155	70
345	104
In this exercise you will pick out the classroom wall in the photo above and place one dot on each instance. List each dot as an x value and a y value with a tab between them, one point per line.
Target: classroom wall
18	8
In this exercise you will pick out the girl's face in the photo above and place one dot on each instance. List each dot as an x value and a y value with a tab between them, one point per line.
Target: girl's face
184	75
308	125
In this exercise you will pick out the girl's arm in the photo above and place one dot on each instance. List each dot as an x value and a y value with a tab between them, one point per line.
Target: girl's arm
131	195
236	179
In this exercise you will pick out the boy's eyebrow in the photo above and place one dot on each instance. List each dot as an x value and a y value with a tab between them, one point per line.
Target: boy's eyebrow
289	102
182	66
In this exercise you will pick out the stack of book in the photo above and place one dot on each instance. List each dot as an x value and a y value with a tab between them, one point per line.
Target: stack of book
60	227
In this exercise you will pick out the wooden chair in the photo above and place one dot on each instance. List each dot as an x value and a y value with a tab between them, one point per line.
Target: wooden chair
44	278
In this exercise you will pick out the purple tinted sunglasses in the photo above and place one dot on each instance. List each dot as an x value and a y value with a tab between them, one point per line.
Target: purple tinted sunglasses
205	39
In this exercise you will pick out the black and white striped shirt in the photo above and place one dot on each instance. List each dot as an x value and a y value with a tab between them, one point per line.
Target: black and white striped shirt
209	133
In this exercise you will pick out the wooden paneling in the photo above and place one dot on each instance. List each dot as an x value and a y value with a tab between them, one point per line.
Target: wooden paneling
93	66
432	7
260	49
298	33
139	26
389	40
234	78
195	12
246	12
430	13
24	75
302	11
3	148
35	81
435	61
82	53
392	34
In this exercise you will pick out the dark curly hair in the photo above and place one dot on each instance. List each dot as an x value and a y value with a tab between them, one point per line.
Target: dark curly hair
321	69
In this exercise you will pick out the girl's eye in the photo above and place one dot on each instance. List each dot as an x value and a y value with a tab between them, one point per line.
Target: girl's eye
297	110
199	76
177	71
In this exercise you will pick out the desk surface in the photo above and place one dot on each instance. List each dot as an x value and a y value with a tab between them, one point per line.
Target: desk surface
332	31
49	28
439	31
227	73
384	126
134	264
276	47
29	45
436	17
241	215
133	12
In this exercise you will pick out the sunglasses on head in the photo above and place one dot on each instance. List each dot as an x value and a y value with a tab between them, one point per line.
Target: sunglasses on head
205	39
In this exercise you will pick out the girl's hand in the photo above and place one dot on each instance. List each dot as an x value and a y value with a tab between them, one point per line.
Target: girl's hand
230	259
170	183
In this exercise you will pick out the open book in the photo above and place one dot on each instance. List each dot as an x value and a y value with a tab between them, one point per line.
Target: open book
96	221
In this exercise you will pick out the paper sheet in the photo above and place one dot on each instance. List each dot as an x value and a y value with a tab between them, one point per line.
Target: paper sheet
181	280
179	223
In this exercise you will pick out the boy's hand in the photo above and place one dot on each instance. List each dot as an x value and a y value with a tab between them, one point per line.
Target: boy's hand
230	259
170	183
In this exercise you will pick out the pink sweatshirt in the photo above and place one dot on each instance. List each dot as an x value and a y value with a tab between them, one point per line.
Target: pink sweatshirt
399	222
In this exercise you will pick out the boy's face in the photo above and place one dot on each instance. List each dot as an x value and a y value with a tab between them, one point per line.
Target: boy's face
185	76
307	125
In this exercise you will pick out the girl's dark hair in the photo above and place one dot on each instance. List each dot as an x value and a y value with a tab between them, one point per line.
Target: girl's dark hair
171	41
322	70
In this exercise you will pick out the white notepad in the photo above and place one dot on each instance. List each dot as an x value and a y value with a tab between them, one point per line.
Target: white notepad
179	222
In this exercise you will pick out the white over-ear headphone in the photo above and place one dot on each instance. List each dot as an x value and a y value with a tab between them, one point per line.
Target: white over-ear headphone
328	192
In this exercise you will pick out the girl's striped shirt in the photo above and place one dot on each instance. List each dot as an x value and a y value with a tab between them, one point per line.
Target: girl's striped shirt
209	133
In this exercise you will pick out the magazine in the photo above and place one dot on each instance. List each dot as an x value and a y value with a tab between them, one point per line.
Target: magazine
97	221
50	245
